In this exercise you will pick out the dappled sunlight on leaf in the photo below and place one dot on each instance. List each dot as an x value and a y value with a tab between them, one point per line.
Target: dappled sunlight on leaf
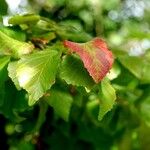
36	73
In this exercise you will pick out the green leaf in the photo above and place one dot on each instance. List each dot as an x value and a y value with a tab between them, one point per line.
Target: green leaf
12	47
107	96
14	33
36	73
3	75
3	7
61	102
73	72
145	109
3	63
12	68
24	19
137	65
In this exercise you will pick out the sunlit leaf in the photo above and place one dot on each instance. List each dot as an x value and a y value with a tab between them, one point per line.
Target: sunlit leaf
12	68
137	65
145	110
12	47
36	73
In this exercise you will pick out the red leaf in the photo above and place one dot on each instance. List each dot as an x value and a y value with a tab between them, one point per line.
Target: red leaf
95	55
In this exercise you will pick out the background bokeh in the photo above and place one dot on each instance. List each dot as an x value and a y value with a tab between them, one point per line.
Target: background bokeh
125	26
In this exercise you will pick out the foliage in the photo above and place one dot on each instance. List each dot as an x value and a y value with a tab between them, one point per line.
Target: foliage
61	88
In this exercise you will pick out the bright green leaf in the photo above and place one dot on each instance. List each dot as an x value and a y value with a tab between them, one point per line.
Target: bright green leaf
61	102
73	72
12	67
12	47
15	34
96	57
24	19
36	73
107	96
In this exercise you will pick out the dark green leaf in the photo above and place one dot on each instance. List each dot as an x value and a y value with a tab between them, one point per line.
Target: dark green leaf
14	33
3	7
61	102
12	68
24	19
73	72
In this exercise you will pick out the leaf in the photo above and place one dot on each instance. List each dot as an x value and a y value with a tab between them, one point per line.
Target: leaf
145	110
137	65
15	34
3	63
107	96
3	8
95	55
73	72
36	73
13	103
61	102
3	75
12	68
24	19
12	47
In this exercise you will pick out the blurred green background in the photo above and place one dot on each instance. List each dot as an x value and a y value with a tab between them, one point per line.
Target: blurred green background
125	26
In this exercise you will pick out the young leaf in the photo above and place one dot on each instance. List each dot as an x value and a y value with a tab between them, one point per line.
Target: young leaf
61	102
95	55
24	19
107	97
12	47
73	72
36	73
13	103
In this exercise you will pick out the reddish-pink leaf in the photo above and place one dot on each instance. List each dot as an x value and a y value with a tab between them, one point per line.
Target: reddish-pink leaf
95	55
